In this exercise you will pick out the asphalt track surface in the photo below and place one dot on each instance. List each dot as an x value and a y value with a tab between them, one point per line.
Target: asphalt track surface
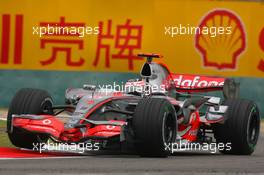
110	163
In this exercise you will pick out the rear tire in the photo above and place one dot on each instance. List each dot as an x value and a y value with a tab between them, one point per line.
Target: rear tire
241	129
155	125
28	101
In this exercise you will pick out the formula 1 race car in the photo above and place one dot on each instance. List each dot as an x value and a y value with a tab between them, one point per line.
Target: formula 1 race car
148	115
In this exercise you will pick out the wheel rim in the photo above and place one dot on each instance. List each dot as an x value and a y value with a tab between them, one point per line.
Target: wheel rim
169	128
253	127
46	106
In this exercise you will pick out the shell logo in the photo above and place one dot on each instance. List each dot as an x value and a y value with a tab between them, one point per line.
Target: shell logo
223	50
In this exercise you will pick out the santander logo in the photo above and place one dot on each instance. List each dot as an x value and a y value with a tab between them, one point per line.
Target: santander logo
223	50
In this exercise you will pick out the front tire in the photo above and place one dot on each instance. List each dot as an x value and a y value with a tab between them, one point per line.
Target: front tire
28	101
155	126
241	129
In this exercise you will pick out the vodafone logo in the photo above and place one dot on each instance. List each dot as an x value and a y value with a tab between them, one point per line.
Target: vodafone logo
221	51
46	121
190	81
110	127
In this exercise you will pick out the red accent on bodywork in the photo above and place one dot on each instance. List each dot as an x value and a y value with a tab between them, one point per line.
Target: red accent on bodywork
72	134
191	134
103	131
55	127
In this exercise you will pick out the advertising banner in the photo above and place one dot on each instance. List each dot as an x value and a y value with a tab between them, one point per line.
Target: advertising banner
195	37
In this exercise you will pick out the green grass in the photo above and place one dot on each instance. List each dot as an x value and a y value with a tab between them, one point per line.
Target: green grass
2	124
4	141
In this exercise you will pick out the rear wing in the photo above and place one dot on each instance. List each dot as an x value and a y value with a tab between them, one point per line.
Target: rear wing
197	83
